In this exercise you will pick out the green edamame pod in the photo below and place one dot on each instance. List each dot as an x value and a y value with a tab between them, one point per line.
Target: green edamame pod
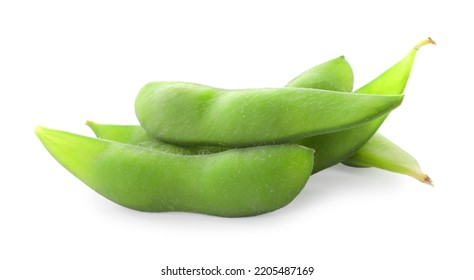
384	154
234	183
193	114
333	148
335	74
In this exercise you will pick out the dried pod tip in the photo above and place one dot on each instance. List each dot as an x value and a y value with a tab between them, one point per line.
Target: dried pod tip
426	179
424	42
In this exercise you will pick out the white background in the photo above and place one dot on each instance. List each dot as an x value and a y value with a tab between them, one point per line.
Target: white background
63	62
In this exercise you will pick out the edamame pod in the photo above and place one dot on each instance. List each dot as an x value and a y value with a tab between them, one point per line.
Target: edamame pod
384	154
234	183
335	74
193	114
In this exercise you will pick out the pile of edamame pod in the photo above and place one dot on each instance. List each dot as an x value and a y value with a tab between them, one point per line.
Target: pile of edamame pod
236	153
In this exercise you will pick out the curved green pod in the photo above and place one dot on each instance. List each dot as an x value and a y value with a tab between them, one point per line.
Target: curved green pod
335	74
382	153
234	183
193	114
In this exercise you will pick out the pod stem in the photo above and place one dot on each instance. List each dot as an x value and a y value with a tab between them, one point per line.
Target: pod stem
426	179
424	42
